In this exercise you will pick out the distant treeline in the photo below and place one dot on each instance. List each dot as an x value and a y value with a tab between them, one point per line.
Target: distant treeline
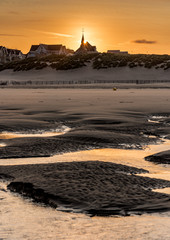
98	61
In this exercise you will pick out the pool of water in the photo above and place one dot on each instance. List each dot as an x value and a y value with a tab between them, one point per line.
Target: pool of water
22	219
53	132
130	157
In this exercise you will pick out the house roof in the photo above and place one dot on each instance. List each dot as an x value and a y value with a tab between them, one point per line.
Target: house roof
54	47
34	48
9	50
17	52
47	47
89	47
13	51
85	48
1	47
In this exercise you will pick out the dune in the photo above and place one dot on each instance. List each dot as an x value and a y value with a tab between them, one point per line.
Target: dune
87	77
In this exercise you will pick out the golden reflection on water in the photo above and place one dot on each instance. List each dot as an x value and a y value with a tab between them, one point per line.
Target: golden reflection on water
8	135
24	220
129	157
21	219
164	190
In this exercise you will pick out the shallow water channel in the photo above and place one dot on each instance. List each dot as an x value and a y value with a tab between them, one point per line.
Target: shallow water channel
22	219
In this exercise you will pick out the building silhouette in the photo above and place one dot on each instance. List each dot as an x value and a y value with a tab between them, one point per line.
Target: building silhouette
85	47
44	50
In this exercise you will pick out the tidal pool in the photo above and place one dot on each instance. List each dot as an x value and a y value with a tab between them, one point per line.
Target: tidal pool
21	219
50	133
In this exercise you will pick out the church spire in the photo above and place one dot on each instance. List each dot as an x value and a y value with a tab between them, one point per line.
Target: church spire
82	40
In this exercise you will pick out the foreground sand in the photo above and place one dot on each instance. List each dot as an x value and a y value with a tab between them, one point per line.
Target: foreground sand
98	119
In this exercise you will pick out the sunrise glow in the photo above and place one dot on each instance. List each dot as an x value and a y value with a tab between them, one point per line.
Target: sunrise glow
134	26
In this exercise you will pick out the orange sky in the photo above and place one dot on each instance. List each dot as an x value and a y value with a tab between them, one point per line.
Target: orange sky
137	26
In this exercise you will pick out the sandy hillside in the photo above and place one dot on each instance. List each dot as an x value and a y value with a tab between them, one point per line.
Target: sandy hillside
85	75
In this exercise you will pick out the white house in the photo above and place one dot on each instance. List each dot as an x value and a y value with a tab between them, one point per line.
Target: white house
44	49
3	54
14	54
8	55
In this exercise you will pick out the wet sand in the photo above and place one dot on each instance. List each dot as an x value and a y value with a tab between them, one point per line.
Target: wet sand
160	158
97	119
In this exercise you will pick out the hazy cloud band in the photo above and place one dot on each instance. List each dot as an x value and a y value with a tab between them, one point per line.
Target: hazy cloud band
10	35
144	41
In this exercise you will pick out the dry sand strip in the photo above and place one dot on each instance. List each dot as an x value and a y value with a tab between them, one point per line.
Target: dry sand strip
92	187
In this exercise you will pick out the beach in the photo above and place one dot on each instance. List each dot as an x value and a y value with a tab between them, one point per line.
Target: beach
84	120
44	124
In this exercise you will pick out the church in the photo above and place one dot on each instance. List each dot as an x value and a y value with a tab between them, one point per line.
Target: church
85	47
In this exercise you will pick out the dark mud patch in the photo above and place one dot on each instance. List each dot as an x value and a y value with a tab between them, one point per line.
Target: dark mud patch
89	130
160	158
10	109
75	140
6	177
41	147
96	188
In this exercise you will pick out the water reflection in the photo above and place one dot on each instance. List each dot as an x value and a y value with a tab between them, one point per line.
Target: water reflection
128	157
21	219
50	133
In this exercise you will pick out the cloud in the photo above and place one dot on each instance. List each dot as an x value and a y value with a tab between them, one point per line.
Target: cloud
10	35
54	34
144	41
60	34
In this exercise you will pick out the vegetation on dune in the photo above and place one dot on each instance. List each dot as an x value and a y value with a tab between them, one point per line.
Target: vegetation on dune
108	60
24	65
98	60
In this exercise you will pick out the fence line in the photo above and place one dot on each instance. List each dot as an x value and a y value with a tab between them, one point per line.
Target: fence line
74	82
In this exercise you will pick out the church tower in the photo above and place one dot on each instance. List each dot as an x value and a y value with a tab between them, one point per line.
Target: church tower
85	48
82	40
